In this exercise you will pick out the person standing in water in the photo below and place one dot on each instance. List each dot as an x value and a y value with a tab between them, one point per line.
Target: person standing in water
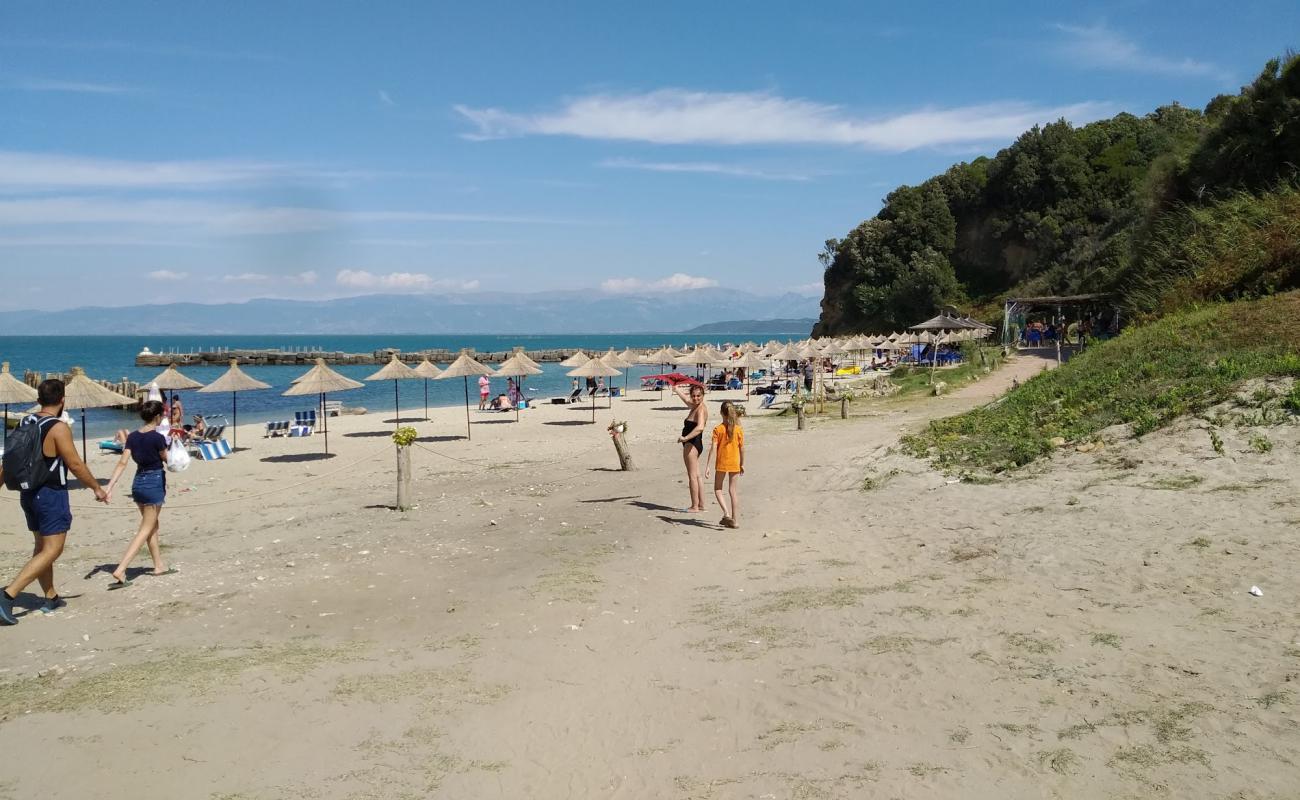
148	448
692	441
729	442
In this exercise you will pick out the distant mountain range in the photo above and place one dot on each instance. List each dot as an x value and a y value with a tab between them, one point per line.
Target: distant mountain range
481	313
799	327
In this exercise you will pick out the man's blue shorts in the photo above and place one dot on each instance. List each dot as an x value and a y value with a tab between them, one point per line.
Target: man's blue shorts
47	510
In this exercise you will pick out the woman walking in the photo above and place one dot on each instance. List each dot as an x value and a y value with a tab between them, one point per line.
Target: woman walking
148	448
729	441
692	441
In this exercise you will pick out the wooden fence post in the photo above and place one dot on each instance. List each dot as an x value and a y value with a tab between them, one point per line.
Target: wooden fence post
403	478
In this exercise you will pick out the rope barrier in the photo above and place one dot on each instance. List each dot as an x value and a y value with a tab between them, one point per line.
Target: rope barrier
243	498
240	499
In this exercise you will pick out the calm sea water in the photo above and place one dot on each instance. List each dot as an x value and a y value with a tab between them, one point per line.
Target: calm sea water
113	358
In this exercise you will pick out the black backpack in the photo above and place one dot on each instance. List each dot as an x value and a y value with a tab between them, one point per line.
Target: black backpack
24	461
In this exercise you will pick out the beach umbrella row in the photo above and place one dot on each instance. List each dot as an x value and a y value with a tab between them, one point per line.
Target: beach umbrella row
594	368
396	371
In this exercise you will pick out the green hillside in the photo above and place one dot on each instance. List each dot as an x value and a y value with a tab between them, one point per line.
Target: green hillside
1148	376
1171	208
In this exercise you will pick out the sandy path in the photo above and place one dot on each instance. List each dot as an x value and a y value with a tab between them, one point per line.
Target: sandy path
545	627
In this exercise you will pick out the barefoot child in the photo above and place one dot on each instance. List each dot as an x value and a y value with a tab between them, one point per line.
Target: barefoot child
729	440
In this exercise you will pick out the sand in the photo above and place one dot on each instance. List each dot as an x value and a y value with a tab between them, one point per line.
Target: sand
546	626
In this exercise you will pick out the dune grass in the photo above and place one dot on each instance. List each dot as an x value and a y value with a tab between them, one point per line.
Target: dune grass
1147	377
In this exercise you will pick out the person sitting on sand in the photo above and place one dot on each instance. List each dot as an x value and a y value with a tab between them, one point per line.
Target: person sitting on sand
148	448
502	403
692	441
729	442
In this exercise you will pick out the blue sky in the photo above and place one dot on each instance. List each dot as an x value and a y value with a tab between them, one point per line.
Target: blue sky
222	151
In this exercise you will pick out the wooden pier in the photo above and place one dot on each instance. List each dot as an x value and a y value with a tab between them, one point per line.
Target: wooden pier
307	356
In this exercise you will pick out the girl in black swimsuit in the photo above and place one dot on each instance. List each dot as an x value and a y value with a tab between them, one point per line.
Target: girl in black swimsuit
692	441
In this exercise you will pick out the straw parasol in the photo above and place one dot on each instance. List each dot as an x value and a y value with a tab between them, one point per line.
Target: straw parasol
426	369
322	380
171	380
787	353
594	368
12	391
83	393
518	366
576	360
235	380
395	371
617	361
463	367
750	361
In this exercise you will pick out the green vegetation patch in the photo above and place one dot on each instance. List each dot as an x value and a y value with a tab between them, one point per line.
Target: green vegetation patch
1146	377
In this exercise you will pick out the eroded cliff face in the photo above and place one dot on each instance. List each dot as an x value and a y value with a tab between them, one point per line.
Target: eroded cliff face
834	296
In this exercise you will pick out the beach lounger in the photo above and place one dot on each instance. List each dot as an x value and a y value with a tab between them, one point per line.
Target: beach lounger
296	431
208	451
768	399
111	446
280	428
307	418
332	408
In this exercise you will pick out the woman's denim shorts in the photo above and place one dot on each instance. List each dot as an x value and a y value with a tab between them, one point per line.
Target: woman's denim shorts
150	488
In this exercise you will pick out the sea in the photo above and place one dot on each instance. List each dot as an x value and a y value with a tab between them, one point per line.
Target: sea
113	358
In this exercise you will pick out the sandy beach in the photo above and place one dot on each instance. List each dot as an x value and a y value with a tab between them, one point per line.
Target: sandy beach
543	625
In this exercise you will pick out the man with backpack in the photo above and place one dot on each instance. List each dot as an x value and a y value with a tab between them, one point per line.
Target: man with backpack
39	457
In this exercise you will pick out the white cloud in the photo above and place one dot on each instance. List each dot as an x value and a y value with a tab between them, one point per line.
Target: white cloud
1099	46
306	278
385	98
40	171
679	116
706	167
71	87
168	275
402	281
677	282
219	218
302	278
246	277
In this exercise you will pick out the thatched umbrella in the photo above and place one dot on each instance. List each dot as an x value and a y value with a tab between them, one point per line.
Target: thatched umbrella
171	380
594	368
427	369
464	367
235	380
747	362
576	360
83	393
518	366
617	361
396	371
12	391
322	380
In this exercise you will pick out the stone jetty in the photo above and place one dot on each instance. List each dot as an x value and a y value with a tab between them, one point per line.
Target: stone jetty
307	356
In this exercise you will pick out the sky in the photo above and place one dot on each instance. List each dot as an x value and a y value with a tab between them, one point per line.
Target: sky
215	152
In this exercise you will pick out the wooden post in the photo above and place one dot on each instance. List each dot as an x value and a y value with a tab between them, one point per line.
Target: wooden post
802	422
844	408
624	455
403	478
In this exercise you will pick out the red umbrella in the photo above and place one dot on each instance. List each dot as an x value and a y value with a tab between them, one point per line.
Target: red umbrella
672	379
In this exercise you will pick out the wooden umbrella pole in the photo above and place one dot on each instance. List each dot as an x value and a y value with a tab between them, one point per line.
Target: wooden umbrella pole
468	433
426	399
84	454
397	408
6	424
234	415
325	419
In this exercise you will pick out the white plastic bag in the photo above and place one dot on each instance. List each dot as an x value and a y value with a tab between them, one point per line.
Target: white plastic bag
178	458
